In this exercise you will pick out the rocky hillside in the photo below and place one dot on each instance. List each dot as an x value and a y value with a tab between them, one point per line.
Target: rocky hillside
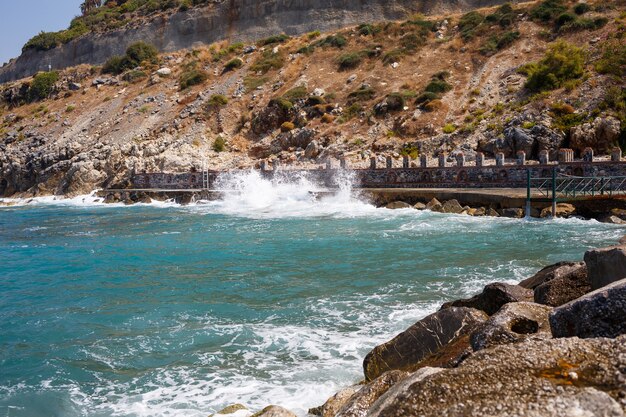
526	77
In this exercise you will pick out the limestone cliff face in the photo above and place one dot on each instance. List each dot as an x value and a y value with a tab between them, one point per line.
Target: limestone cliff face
236	20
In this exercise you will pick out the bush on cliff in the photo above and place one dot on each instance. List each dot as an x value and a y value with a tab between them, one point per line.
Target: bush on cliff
268	61
191	77
44	41
562	62
42	85
136	54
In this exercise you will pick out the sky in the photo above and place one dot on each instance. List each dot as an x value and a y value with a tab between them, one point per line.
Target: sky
20	20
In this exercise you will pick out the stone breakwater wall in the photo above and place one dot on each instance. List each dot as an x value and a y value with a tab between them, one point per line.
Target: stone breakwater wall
235	20
505	176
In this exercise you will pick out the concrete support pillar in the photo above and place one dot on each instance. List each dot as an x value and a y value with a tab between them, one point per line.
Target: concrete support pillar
442	160
588	155
616	155
424	161
521	158
544	157
405	161
329	164
343	163
499	159
389	162
480	159
460	159
263	165
275	164
373	162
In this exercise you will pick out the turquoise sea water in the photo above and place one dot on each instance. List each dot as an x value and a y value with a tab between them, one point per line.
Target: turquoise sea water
266	297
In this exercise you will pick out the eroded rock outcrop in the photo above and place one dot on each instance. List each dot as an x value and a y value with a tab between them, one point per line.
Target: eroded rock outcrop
493	297
605	265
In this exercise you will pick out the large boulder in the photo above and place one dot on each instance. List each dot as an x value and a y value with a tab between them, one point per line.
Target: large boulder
547	140
452	206
518	139
332	406
274	411
398	205
535	378
493	297
562	210
361	401
420	340
513	323
271	117
549	273
434	205
567	285
605	265
601	313
601	135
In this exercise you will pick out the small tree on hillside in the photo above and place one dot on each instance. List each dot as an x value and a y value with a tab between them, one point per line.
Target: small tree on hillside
89	5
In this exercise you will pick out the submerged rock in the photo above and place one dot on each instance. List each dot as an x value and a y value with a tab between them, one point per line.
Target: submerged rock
493	297
398	205
419	206
601	313
536	378
420	340
605	265
513	323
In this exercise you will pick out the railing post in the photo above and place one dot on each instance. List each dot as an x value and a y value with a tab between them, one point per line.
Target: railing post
553	193
424	161
479	159
528	193
442	160
373	162
389	162
405	161
499	159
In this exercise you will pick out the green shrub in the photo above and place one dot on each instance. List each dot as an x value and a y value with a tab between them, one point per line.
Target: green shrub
191	77
252	83
547	10
297	93
42	85
219	145
313	35
350	60
393	56
274	40
281	103
43	41
449	128
468	24
367	29
134	76
217	101
315	101
613	59
426	97
362	94
561	63
335	41
233	64
409	150
582	23
70	108
438	86
395	102
499	42
268	61
581	8
565	18
287	127
504	16
114	65
136	54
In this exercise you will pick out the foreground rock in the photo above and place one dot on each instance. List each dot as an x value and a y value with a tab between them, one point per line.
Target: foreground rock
361	401
601	313
332	406
513	323
559	284
398	205
493	297
422	339
539	378
274	411
605	265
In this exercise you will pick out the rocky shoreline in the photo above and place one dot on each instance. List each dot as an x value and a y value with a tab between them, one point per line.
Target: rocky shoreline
552	345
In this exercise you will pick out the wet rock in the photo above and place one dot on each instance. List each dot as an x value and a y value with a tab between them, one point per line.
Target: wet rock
567	285
274	411
492	213
420	340
549	273
513	323
398	205
601	313
514	213
234	410
562	210
398	389
536	378
419	206
361	401
612	220
332	406
452	206
493	297
434	205
605	265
